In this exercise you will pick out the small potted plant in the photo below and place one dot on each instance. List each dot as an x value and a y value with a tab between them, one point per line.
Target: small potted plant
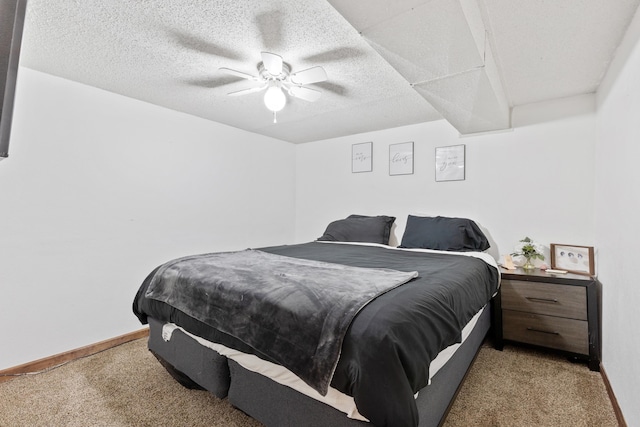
530	250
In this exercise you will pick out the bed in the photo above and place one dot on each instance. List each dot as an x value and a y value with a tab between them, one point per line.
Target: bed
413	321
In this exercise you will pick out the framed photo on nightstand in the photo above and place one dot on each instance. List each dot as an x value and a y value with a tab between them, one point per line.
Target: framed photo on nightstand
576	259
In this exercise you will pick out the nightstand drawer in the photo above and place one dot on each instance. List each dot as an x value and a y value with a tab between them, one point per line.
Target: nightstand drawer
547	331
544	298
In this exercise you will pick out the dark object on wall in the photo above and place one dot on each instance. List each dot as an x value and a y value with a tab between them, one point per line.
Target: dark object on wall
12	13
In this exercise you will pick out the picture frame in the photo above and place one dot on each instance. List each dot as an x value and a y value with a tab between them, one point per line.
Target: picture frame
450	163
361	157
573	258
401	158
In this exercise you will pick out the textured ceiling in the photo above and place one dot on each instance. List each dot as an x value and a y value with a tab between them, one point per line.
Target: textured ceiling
386	66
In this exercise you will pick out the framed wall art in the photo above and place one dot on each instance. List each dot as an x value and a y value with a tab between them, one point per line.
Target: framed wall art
401	158
361	157
450	163
576	259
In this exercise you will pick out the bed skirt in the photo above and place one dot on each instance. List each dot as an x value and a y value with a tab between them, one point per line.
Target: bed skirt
191	364
276	405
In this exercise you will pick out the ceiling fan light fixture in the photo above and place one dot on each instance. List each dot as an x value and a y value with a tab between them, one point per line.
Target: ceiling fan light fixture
275	76
275	99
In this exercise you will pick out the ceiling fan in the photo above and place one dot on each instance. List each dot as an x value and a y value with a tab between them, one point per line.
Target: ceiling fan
275	76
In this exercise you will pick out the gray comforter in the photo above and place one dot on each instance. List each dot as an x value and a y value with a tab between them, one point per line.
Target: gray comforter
297	311
390	343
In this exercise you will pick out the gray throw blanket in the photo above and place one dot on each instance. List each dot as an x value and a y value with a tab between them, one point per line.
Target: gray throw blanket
294	311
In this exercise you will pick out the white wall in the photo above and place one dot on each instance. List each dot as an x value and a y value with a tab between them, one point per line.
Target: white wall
99	189
617	210
536	180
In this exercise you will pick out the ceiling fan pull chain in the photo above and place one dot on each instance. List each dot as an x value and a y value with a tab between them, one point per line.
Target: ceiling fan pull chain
274	117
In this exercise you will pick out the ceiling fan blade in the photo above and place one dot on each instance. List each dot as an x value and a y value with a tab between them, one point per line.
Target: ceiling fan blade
332	55
272	63
270	25
210	83
198	44
333	87
308	76
305	93
238	73
248	90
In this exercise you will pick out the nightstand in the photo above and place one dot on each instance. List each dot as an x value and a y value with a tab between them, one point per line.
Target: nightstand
557	311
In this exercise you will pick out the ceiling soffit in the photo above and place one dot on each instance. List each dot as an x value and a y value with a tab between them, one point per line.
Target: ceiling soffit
440	47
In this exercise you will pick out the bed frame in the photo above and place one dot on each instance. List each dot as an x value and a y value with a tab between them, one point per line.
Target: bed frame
196	366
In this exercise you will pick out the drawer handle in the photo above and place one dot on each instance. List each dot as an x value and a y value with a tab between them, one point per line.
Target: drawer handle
543	331
551	301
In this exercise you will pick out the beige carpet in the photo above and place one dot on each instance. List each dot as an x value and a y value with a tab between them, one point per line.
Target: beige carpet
126	386
522	387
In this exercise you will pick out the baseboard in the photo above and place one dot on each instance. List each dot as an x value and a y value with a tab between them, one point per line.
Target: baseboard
58	359
612	397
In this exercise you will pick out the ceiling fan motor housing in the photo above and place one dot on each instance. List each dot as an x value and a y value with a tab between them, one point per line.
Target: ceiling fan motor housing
266	75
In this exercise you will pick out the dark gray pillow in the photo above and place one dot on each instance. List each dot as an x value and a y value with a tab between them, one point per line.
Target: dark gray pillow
360	228
444	234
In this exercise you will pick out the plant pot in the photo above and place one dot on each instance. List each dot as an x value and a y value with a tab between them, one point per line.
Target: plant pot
528	265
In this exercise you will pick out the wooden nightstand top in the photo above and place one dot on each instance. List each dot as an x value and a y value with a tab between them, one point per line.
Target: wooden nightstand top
537	275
